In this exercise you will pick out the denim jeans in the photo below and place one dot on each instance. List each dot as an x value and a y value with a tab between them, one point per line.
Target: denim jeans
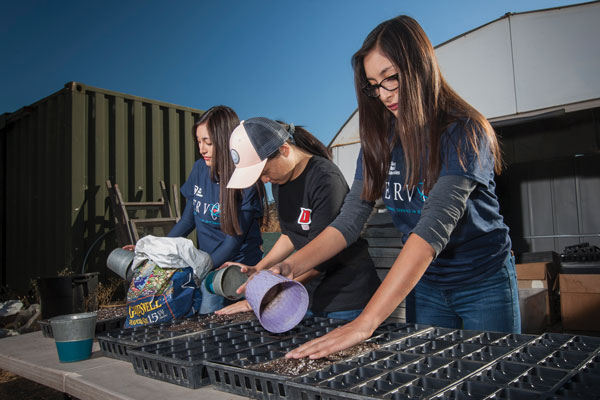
491	304
347	315
211	302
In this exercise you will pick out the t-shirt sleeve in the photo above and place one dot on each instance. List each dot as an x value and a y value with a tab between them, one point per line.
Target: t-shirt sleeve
327	193
476	167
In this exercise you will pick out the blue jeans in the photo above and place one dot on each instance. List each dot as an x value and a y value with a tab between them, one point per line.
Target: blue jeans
491	304
211	302
347	315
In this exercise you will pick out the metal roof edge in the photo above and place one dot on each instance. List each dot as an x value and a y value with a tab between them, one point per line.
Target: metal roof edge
78	86
547	112
508	15
342	127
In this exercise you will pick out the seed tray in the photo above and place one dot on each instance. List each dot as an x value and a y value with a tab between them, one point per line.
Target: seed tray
568	342
489	353
580	386
366	383
117	343
307	325
101	326
180	360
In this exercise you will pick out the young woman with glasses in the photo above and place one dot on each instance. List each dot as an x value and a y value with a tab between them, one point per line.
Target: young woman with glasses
227	222
309	190
431	157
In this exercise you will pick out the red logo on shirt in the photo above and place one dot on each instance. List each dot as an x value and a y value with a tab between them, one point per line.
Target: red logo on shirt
304	217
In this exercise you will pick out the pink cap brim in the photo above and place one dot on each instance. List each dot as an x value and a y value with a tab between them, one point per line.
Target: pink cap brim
246	176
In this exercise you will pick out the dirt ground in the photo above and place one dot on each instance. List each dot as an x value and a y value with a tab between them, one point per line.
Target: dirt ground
16	388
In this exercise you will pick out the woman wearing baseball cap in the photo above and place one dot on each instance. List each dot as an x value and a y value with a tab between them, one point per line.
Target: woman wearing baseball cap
309	190
227	222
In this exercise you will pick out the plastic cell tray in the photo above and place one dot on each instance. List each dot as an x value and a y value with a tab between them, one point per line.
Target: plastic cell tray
539	379
101	326
425	365
580	386
117	343
307	325
180	361
468	390
457	370
530	354
500	373
459	350
489	353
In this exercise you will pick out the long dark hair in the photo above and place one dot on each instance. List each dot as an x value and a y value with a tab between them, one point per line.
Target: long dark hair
304	140
220	122
427	106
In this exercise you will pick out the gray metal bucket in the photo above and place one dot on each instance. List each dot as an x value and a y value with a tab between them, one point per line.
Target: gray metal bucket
74	336
119	261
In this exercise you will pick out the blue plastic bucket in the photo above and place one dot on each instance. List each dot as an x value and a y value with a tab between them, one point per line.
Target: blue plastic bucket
74	336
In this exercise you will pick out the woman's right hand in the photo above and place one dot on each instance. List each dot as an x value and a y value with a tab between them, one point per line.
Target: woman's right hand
240	306
130	247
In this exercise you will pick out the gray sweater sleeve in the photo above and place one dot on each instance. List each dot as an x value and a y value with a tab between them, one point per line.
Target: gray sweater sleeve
353	215
444	206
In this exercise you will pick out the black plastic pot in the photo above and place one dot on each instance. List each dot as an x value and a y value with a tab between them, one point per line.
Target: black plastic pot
61	295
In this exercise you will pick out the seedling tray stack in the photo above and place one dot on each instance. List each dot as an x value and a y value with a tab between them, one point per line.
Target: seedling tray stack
117	343
181	360
234	374
462	365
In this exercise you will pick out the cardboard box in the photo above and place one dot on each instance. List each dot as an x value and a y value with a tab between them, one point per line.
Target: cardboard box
541	275
580	301
532	303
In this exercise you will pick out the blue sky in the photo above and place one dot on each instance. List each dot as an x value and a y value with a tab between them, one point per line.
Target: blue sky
283	59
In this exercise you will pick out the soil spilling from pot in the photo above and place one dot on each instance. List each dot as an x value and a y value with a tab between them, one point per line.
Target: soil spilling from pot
199	324
299	366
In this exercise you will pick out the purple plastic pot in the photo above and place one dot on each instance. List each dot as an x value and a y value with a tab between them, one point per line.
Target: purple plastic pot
278	302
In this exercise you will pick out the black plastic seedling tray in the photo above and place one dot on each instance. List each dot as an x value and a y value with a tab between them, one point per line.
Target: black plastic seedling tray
101	326
117	343
181	360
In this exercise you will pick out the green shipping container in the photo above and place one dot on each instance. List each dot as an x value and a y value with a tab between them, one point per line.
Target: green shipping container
56	156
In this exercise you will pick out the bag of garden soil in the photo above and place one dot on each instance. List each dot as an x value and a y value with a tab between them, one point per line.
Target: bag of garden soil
161	294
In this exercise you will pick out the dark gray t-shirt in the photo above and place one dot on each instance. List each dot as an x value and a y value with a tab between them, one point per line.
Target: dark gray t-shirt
305	207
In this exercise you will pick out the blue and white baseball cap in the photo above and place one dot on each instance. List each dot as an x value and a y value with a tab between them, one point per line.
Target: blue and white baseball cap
251	144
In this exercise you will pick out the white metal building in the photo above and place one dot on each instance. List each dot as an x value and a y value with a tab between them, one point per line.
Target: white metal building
536	76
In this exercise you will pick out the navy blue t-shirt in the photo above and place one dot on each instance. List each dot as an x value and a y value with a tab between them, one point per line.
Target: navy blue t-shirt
203	212
479	244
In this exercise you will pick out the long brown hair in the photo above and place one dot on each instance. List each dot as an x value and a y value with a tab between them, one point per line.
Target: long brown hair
427	106
220	122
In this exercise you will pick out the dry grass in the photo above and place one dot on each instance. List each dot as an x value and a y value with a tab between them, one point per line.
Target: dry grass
272	224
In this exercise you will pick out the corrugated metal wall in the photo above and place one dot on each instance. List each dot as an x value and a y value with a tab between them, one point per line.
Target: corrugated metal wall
550	192
58	154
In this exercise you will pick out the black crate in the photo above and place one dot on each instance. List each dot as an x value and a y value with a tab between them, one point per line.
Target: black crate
181	360
101	326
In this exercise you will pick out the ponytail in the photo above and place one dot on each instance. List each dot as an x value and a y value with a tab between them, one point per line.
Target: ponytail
305	141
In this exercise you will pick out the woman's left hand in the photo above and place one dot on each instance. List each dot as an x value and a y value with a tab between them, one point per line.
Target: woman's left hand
240	306
339	339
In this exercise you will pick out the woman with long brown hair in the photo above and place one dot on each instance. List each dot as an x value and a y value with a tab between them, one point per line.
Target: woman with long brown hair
227	221
431	157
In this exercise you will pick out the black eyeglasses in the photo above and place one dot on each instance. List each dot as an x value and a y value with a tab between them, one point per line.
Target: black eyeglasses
390	83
